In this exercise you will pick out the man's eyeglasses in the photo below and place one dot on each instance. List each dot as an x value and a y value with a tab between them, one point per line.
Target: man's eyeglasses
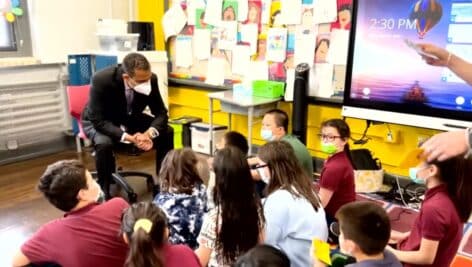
329	138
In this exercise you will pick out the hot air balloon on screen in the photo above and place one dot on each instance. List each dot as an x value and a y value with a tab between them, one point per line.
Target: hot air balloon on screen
427	14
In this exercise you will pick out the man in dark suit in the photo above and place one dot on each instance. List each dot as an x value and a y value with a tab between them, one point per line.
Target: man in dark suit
114	114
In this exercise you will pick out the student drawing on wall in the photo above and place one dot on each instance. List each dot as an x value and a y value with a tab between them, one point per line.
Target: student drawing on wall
229	11
254	12
344	17
307	18
200	17
261	49
275	19
321	50
229	14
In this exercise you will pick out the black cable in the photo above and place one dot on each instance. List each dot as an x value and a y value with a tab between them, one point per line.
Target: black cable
363	140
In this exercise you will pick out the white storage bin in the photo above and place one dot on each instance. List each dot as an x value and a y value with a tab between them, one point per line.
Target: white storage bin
201	136
118	42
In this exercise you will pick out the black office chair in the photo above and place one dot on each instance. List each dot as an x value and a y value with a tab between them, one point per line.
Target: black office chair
78	97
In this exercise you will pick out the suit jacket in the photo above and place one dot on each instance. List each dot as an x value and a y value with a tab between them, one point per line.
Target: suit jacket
106	108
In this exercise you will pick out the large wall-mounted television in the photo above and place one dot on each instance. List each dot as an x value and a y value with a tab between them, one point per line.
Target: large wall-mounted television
389	81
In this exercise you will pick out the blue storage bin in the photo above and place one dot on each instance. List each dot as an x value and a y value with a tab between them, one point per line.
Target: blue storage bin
83	66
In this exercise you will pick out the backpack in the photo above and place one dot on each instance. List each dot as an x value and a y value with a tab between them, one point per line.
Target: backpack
362	159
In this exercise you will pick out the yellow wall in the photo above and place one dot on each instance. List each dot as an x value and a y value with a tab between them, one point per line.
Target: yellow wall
152	11
189	101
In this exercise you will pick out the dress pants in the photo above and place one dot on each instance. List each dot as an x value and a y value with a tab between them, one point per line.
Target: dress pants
104	148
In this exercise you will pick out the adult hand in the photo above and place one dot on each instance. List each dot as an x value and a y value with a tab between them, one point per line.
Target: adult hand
143	141
441	54
445	145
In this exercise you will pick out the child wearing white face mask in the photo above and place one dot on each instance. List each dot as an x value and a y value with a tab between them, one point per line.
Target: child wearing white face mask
337	176
293	212
437	231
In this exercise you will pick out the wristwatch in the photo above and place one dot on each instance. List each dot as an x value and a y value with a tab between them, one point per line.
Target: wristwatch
153	133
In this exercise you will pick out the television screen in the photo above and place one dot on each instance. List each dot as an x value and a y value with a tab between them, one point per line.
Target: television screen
385	69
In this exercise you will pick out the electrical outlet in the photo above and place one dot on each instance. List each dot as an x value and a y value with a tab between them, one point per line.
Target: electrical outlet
391	136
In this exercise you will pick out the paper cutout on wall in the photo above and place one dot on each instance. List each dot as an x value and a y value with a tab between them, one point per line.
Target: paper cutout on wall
325	11
242	10
216	71
338	48
254	12
202	43
258	70
183	44
228	32
174	21
265	14
213	12
230	10
344	15
276	44
322	48
241	59
192	6
305	42
324	78
10	10
249	35
291	12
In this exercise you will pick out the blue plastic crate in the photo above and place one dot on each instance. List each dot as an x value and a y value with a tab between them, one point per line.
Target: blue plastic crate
102	62
83	66
80	69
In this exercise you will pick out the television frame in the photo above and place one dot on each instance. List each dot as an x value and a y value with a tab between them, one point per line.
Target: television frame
404	114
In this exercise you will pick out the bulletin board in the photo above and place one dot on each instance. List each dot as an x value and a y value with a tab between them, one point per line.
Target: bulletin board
223	42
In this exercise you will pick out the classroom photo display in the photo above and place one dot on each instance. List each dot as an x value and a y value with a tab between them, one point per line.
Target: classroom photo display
230	41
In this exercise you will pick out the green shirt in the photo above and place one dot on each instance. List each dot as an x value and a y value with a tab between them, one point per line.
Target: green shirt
301	152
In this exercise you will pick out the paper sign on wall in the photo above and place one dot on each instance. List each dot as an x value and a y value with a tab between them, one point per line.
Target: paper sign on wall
249	34
216	71
291	12
241	59
183	44
276	44
174	21
202	43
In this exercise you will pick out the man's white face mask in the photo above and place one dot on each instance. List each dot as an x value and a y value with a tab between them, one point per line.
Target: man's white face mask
143	88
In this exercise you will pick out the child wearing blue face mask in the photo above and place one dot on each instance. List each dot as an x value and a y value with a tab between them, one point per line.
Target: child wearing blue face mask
337	176
437	231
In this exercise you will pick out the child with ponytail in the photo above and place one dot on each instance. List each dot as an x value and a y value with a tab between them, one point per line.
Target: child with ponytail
144	227
337	177
447	205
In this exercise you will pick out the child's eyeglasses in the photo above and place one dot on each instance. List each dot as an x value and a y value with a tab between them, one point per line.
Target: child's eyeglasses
254	167
329	138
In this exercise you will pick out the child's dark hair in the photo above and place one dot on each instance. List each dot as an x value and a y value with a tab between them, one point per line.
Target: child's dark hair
366	224
263	256
145	246
179	171
280	118
344	132
61	182
455	173
236	139
238	206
